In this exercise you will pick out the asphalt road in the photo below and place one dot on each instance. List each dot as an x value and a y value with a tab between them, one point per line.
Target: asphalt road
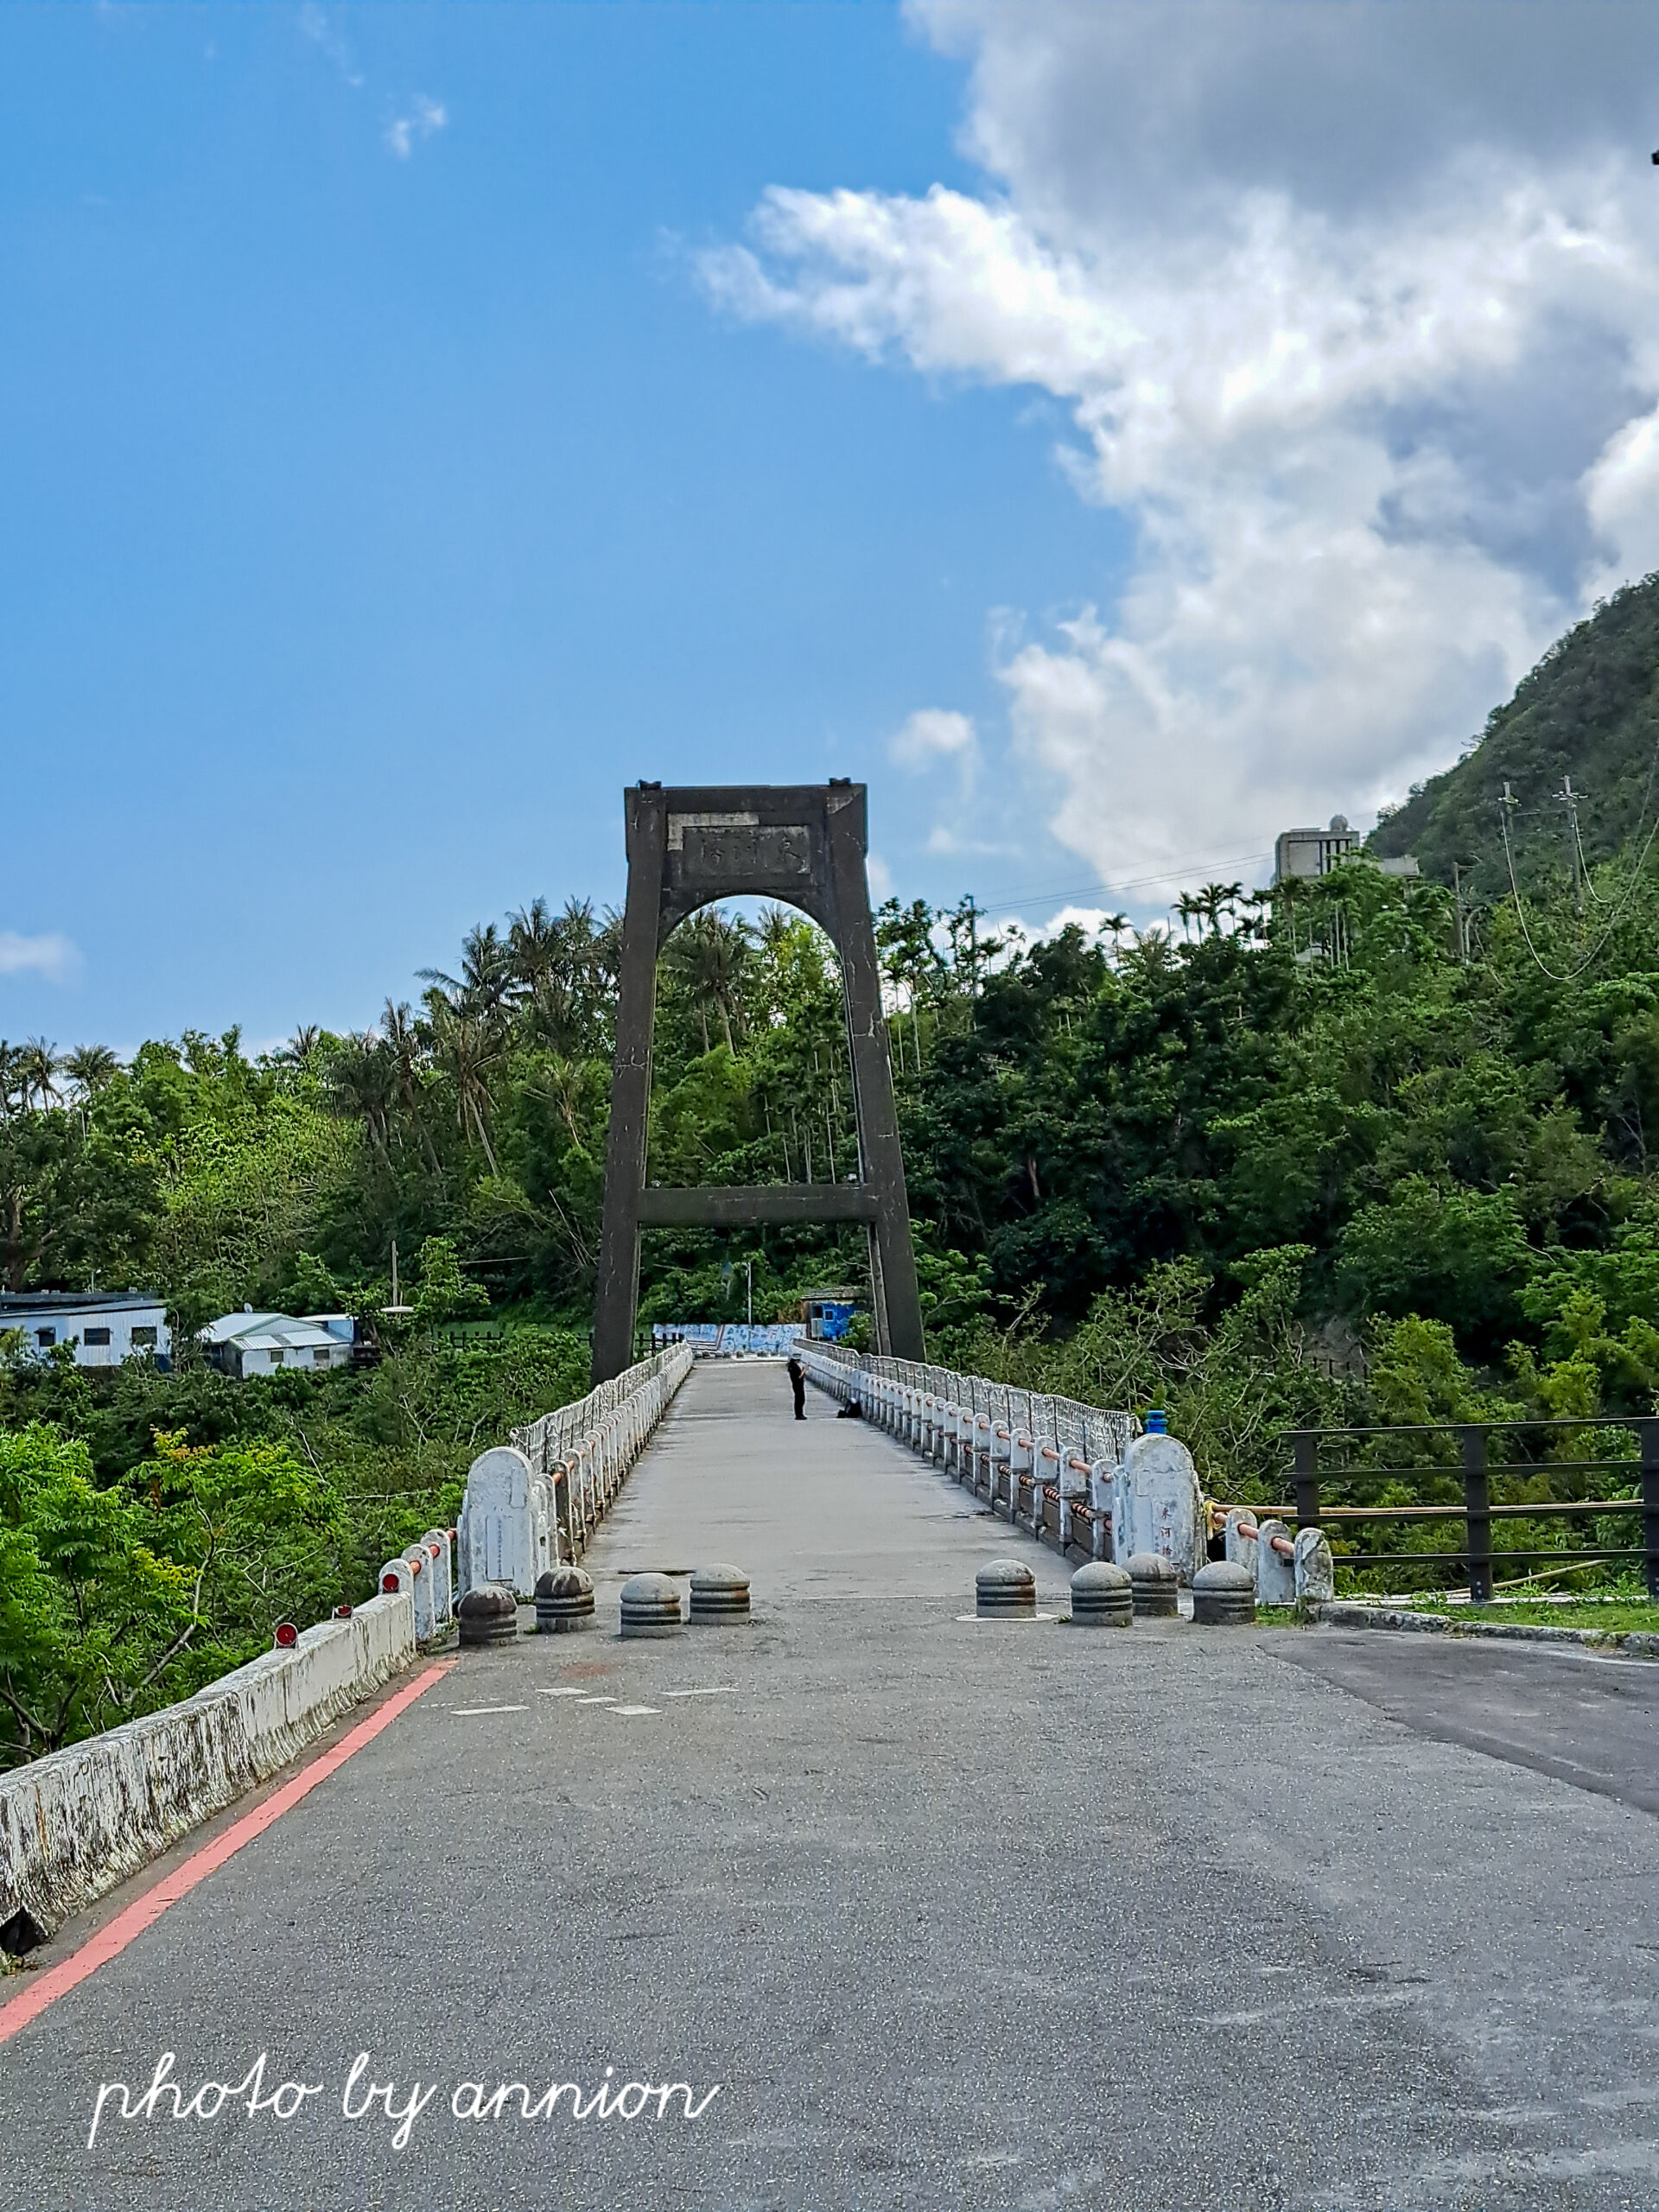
954	1915
1588	1718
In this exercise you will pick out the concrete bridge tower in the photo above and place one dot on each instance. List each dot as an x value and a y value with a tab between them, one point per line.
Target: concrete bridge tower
803	845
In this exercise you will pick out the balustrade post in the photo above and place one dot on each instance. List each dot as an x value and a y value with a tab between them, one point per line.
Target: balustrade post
1476	1501
1648	1431
1305	1444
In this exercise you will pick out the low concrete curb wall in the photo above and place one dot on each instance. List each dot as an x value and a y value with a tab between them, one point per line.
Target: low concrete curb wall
74	1824
1638	1642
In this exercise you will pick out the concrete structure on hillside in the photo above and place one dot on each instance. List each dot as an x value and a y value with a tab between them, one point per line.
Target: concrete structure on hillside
804	846
1305	853
248	1343
104	1327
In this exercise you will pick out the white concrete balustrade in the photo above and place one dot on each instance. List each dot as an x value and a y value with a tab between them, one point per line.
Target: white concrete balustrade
1046	1463
73	1824
536	1501
1080	1476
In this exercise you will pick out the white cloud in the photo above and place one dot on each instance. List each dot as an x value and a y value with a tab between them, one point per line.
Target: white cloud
1356	311
939	736
55	959
315	25
424	120
934	734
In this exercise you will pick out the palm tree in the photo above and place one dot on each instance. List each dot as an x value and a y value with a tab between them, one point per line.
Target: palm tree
360	1087
553	1013
562	1087
535	946
1116	924
1189	909
709	956
91	1068
300	1046
1259	907
11	1097
1217	900
38	1068
406	1050
485	985
468	1048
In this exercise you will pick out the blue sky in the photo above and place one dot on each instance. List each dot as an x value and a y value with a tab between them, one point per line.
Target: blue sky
1115	431
372	518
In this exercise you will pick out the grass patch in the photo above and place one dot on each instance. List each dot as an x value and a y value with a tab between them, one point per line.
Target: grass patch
1613	1616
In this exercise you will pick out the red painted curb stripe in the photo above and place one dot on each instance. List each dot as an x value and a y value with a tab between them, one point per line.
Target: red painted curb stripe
128	1925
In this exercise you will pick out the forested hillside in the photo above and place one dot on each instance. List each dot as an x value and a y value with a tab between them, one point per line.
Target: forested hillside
1589	712
1317	1091
1324	1153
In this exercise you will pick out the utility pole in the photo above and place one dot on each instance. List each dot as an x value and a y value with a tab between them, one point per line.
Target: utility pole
1463	914
748	1269
1569	799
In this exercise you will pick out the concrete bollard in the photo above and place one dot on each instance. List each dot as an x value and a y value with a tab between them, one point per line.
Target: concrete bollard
720	1593
1102	1596
1315	1571
1154	1583
1275	1571
650	1606
1005	1589
1241	1539
488	1615
1223	1595
564	1600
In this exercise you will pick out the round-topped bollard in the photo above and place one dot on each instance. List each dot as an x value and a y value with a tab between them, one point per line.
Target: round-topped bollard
564	1600
1223	1595
720	1593
1102	1596
1004	1589
1153	1585
489	1615
650	1606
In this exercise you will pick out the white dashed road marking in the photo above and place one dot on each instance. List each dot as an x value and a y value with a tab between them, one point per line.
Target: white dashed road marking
634	1708
473	1712
722	1689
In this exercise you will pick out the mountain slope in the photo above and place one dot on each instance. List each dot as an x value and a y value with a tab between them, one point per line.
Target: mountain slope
1589	710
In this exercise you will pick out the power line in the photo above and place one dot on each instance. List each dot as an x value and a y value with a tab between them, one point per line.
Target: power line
1096	887
1505	807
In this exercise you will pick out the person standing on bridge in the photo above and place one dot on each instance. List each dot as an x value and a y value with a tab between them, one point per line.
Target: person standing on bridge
797	1384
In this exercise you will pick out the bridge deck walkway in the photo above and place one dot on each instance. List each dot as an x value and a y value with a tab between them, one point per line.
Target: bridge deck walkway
955	1915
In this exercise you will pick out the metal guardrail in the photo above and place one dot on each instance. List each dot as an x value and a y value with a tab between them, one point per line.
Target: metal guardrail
1481	1490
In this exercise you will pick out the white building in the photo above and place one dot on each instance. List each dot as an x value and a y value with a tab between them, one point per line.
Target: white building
248	1343
104	1327
1316	852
